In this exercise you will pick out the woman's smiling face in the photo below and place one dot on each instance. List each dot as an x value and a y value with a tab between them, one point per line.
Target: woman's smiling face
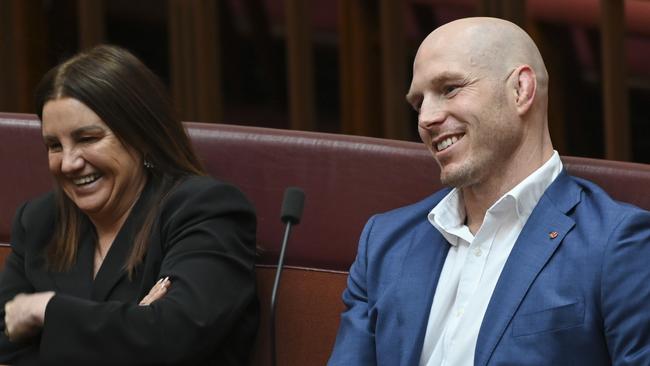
102	176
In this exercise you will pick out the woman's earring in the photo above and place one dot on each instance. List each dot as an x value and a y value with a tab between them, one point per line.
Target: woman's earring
148	164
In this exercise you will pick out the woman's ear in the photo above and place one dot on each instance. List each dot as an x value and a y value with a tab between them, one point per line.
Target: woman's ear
525	88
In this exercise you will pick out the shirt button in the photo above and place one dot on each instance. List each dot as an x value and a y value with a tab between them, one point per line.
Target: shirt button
478	252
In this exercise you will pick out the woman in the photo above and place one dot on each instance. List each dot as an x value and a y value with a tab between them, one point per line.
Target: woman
137	257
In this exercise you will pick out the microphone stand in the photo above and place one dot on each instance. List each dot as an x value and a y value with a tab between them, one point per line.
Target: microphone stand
292	205
276	284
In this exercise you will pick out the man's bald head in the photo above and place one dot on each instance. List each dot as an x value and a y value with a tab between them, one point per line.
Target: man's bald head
489	43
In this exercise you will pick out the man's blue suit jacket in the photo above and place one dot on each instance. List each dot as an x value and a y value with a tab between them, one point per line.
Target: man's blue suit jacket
581	297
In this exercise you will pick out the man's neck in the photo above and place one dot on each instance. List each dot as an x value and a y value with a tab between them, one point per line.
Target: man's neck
479	197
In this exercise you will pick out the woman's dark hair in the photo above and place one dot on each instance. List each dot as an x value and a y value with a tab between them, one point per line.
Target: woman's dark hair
135	105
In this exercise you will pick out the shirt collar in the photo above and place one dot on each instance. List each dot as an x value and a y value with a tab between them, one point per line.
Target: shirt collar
448	216
528	192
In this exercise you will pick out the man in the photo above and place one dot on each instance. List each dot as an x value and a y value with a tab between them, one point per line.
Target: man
519	263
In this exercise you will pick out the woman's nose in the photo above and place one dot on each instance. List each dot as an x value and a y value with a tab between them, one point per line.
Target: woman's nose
72	161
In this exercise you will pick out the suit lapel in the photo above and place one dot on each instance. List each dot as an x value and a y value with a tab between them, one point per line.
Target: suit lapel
540	237
416	287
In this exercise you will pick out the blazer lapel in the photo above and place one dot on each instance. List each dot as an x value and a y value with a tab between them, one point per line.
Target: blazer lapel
113	267
416	287
540	237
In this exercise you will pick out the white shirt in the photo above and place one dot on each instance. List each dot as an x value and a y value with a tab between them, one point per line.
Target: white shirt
474	264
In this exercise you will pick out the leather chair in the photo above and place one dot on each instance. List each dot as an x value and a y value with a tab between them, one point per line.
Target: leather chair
346	179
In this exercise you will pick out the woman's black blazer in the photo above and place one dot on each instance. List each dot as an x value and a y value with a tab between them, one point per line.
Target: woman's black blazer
203	238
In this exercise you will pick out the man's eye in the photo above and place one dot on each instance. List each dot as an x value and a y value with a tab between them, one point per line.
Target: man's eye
416	104
450	89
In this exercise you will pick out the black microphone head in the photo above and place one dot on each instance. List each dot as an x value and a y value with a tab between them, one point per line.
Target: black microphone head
292	204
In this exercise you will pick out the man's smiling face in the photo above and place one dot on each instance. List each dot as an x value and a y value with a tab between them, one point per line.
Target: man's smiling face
464	115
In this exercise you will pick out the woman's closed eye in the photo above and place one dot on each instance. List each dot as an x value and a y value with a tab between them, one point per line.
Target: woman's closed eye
53	146
87	139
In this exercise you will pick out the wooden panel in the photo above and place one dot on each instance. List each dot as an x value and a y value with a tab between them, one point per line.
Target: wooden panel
300	65
396	124
615	97
552	42
92	25
9	50
195	59
22	53
307	315
360	68
512	10
270	82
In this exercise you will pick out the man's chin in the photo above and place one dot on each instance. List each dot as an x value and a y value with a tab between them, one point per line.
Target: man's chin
456	178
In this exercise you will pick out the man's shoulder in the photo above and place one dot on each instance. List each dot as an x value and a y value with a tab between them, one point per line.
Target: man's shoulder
598	198
412	214
389	237
596	208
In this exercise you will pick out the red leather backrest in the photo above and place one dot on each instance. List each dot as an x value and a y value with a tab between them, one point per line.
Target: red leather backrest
346	179
23	161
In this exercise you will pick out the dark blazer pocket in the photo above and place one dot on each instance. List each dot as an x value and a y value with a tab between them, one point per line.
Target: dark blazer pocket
547	320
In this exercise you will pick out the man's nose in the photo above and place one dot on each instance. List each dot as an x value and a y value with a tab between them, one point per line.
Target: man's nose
432	113
72	160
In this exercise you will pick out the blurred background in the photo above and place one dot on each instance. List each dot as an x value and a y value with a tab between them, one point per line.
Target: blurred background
341	66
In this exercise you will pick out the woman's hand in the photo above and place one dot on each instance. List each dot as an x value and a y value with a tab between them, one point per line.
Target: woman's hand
157	291
25	314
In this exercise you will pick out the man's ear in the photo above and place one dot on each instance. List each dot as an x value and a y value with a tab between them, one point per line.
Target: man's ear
525	88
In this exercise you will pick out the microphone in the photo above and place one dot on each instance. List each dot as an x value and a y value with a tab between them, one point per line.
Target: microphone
292	204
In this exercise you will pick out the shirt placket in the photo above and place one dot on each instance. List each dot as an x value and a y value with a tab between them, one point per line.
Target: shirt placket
474	265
